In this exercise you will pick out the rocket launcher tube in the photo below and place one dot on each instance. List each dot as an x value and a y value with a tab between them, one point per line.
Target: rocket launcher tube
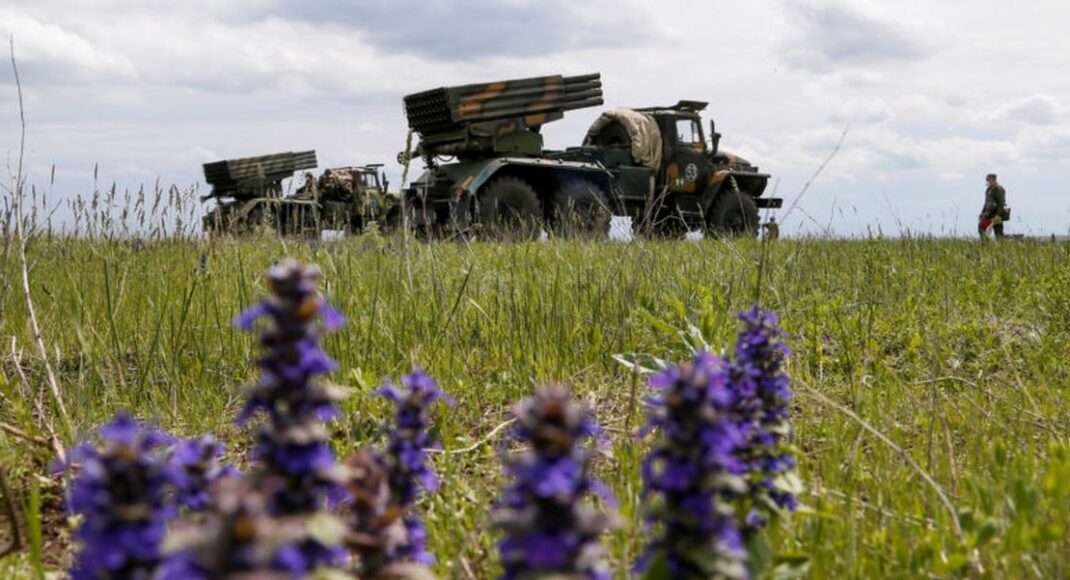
453	109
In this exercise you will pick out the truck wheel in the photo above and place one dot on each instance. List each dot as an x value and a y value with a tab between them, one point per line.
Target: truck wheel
509	209
214	223
733	213
670	228
580	210
295	221
663	227
257	221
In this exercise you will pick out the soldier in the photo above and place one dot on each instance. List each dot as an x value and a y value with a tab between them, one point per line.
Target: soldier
995	209
308	190
772	230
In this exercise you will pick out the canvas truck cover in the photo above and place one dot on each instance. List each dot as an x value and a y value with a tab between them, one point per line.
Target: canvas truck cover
642	129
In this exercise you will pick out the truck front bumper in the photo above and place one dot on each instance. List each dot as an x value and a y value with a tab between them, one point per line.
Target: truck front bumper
769	202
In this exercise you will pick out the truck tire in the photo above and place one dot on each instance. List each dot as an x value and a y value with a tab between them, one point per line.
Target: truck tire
733	213
580	209
670	228
665	226
216	223
297	221
257	221
508	208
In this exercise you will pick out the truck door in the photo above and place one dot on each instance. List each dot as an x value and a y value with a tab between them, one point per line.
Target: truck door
686	165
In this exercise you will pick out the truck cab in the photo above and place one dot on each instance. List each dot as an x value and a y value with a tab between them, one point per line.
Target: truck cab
350	197
672	177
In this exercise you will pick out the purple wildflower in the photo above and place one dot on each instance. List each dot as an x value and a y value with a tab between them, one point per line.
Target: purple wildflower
693	471
292	446
406	458
548	528
193	465
119	493
759	356
238	537
378	534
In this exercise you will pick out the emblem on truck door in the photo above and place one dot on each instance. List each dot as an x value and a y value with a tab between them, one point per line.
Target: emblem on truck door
691	172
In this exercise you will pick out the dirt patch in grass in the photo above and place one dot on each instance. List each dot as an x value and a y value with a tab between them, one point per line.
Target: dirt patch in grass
55	533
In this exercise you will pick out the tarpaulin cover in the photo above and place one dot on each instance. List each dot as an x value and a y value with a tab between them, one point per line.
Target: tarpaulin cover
642	129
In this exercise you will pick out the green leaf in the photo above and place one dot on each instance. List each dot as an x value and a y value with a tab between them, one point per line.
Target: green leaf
730	481
761	556
693	338
326	529
647	364
657	569
999	453
986	533
789	482
957	561
806	512
966	520
789	567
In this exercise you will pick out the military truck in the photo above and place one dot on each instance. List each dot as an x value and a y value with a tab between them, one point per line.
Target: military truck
250	196
351	197
652	164
486	171
669	178
249	193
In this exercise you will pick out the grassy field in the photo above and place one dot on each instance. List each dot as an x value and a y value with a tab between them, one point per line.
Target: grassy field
932	376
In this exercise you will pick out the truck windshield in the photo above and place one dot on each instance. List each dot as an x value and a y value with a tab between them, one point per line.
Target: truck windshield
688	131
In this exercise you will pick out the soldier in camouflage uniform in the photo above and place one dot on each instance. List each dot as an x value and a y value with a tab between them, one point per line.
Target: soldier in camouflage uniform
995	208
308	190
772	230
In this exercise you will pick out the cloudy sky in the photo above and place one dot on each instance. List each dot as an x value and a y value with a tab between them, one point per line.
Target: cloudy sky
931	94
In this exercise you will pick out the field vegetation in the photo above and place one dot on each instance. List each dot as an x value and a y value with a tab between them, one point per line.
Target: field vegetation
932	376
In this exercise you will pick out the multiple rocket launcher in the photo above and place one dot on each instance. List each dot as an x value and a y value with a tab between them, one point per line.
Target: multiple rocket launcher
467	118
255	176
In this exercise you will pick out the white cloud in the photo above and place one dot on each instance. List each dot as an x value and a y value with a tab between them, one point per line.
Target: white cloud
1045	147
52	53
1033	110
833	35
478	30
857	110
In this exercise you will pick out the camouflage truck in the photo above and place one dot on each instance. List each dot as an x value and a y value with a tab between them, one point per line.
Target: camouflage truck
349	198
652	164
669	178
497	180
250	196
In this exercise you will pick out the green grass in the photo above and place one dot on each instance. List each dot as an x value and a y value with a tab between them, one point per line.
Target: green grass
957	353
